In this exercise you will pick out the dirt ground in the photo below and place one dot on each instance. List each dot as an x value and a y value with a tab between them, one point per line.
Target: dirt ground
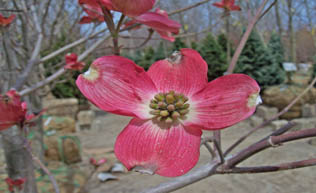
105	129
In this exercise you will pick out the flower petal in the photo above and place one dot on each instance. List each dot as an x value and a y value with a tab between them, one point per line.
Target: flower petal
116	84
165	151
224	102
5	21
159	21
185	72
166	35
11	110
133	8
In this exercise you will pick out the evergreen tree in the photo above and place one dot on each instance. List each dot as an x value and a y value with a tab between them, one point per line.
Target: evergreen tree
194	45
276	48
148	58
222	41
258	62
177	45
160	52
214	56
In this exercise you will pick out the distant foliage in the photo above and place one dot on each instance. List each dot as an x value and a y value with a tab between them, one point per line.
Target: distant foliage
276	48
260	63
214	56
178	44
222	41
194	45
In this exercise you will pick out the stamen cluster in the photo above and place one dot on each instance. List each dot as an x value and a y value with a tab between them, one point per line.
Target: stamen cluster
169	107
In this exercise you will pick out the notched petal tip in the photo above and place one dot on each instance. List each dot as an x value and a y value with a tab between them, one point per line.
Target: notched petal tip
175	57
254	100
92	74
143	170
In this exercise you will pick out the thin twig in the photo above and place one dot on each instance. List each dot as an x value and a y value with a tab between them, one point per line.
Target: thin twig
245	38
219	150
46	170
61	71
210	149
267	10
187	8
271	141
150	34
272	168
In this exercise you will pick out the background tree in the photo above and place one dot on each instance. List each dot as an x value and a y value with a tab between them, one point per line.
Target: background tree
258	62
214	56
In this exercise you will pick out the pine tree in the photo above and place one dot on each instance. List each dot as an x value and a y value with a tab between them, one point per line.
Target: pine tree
276	48
258	62
148	58
214	56
194	45
160	52
177	45
222	41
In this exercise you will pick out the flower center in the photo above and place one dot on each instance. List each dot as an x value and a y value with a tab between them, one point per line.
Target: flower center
169	107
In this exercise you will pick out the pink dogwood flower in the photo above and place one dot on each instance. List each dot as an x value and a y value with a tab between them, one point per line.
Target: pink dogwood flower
160	22
5	21
72	62
130	8
171	104
18	183
228	5
13	111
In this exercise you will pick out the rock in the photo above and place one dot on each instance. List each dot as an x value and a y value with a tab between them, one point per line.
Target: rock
281	96
304	123
105	176
61	125
255	121
70	152
309	110
291	115
277	124
85	119
265	112
312	141
61	107
301	79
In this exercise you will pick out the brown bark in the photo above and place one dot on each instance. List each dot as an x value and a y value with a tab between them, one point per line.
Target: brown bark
292	56
19	161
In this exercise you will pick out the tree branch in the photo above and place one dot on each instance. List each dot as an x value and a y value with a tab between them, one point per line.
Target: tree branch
245	38
60	71
240	140
273	168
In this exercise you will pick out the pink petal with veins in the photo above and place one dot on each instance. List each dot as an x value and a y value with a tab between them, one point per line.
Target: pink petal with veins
186	74
148	147
116	84
225	101
12	111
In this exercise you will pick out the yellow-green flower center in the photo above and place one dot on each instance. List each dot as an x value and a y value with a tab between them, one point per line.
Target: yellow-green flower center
169	107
